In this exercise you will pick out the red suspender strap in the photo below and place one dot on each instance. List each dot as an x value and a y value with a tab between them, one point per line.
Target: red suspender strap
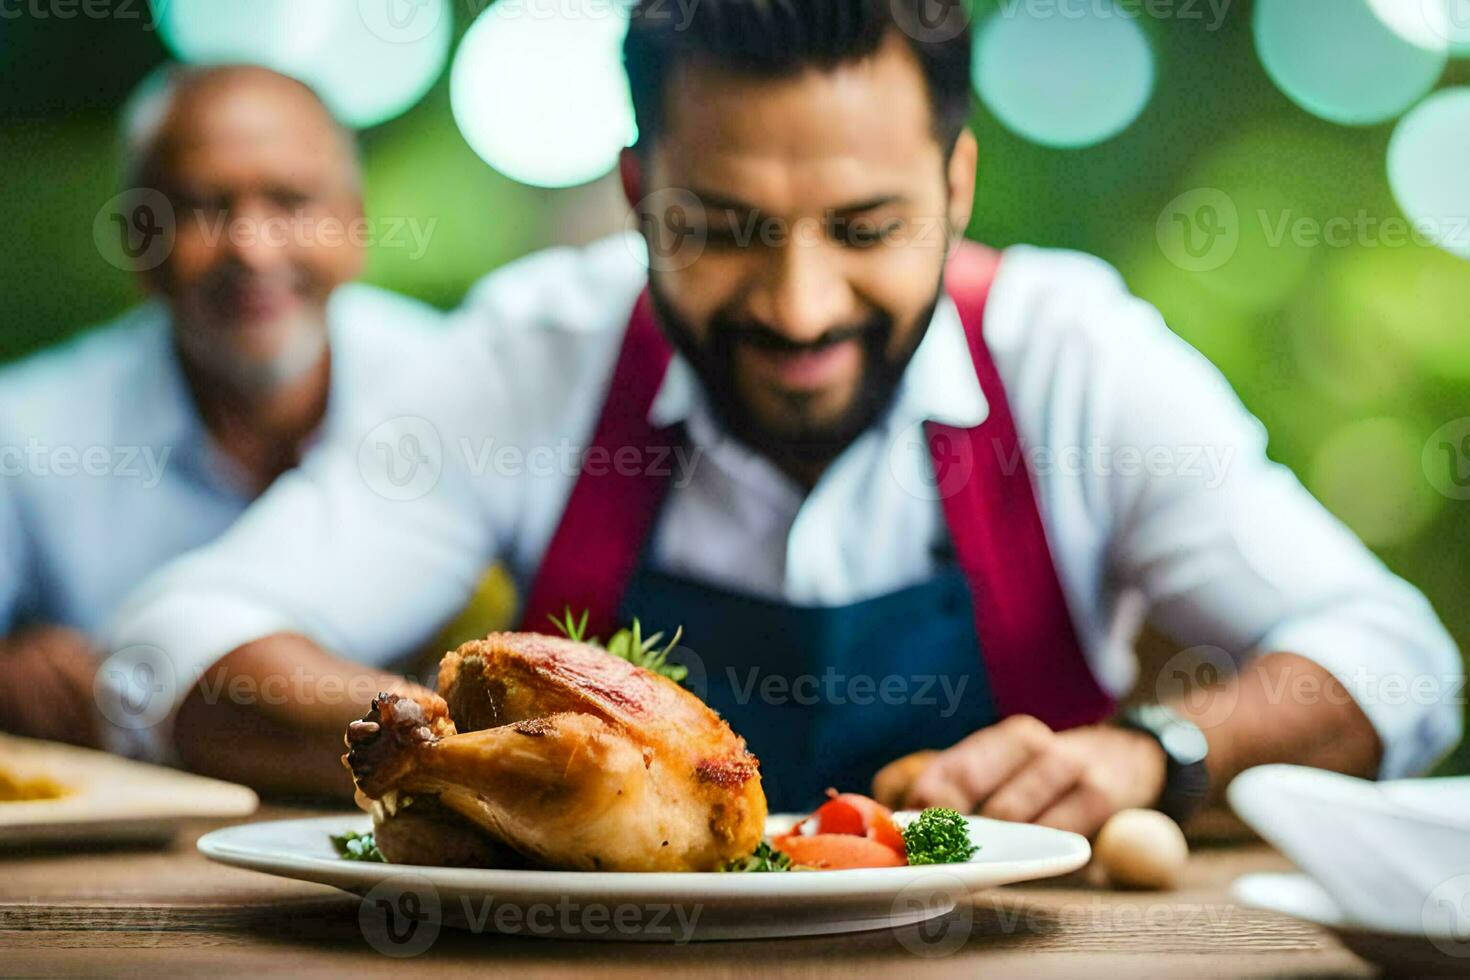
1032	657
610	515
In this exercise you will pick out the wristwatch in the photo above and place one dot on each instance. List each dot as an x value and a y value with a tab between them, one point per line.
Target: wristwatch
1186	781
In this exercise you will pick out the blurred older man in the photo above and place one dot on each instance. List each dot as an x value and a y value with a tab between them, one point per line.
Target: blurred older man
148	437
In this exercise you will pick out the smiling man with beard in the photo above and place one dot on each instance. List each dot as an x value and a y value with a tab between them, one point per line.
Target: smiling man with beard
861	390
253	341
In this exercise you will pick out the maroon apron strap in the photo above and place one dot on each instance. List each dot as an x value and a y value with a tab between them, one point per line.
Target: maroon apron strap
610	515
1029	645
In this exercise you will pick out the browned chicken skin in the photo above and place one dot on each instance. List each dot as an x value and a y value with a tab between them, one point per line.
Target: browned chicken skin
572	757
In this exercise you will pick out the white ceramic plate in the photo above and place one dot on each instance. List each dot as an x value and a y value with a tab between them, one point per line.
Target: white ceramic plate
107	799
1407	954
643	907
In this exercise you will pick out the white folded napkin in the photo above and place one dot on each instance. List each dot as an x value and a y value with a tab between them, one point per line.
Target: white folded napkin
1394	857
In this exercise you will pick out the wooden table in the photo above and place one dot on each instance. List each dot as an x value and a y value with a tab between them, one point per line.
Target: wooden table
169	912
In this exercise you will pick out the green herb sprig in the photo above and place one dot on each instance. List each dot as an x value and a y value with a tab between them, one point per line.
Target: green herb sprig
353	846
938	836
764	858
628	644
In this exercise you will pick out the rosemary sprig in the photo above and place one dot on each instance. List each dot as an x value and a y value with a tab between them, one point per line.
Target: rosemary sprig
571	628
629	644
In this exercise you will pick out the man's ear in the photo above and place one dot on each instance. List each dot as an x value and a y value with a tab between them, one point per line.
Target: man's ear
961	176
630	171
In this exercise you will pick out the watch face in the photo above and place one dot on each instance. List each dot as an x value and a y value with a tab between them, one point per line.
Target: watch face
1181	739
1184	742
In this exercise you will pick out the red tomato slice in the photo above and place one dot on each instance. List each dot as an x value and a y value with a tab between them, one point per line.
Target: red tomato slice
839	816
853	813
834	852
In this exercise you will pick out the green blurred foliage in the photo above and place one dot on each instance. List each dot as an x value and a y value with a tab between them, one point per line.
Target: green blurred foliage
1352	356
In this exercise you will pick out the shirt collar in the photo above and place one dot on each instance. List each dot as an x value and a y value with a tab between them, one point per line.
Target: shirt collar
939	385
170	418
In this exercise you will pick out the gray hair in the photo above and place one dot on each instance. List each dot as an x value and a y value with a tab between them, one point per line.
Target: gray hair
146	112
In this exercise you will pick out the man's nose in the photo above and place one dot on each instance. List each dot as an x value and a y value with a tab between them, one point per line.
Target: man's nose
259	237
802	292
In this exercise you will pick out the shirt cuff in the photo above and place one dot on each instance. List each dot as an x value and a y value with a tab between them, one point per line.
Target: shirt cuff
159	653
1412	690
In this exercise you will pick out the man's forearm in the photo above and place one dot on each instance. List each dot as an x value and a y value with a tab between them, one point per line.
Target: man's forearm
272	713
1282	708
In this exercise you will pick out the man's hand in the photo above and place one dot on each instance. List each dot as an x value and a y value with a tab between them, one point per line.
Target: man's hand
46	676
1019	769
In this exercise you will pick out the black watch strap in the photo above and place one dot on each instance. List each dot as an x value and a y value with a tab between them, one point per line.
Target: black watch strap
1186	779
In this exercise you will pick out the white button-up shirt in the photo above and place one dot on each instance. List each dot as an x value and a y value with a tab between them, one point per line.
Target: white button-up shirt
107	472
1152	480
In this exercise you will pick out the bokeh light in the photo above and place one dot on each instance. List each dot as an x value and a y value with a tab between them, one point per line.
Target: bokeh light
1429	169
374	69
368	62
539	93
1368	474
1343	61
280	34
1063	81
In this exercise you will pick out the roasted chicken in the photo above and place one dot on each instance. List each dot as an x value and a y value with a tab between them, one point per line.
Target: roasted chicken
559	755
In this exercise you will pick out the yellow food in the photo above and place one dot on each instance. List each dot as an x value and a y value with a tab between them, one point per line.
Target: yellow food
1141	849
19	789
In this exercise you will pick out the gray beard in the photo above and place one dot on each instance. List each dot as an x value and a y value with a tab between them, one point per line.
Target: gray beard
307	346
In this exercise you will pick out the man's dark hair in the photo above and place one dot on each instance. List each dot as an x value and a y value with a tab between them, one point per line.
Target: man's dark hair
779	38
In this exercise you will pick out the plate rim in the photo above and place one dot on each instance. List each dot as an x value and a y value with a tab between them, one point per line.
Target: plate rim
218	845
